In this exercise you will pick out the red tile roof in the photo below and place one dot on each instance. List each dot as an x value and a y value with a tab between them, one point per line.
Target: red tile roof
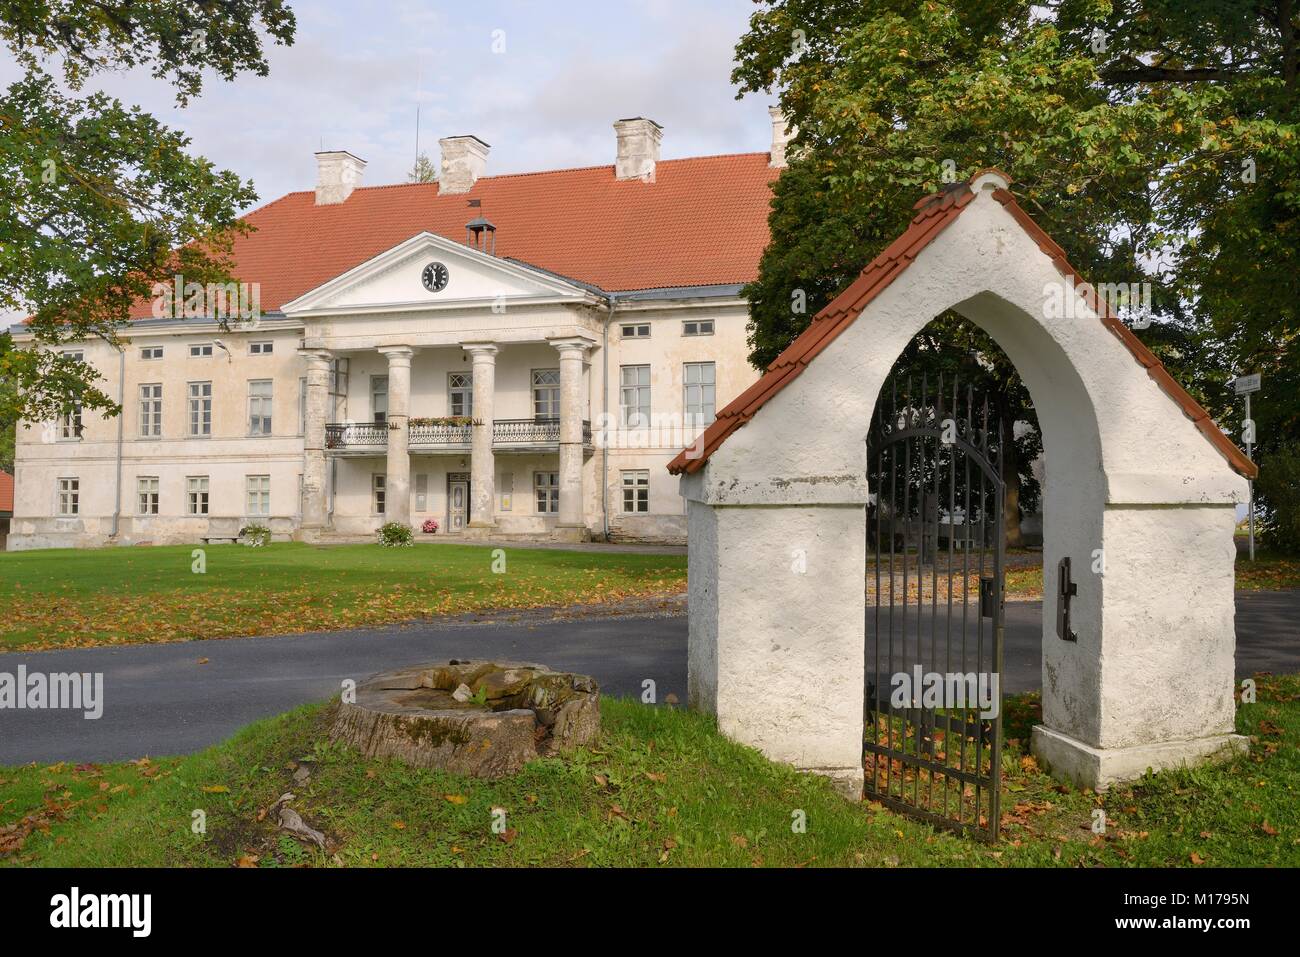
936	212
703	221
6	493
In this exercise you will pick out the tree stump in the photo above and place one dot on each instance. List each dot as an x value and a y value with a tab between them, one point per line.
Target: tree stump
479	718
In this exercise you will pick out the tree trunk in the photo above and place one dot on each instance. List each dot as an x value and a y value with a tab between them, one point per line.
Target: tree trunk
1011	479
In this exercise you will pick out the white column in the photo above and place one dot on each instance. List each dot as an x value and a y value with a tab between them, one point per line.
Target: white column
482	481
397	479
314	508
573	354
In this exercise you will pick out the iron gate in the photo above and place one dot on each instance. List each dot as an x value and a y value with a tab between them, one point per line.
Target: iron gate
932	743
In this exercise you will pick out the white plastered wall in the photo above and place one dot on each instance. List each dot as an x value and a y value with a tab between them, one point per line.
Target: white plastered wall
1130	482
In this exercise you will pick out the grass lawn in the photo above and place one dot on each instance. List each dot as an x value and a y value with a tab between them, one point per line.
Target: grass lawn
76	597
663	788
1024	574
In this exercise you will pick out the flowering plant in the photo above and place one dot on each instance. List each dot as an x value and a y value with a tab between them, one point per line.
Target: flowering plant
255	535
430	526
395	535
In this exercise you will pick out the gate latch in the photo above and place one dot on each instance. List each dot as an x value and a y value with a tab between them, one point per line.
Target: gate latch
988	596
1065	590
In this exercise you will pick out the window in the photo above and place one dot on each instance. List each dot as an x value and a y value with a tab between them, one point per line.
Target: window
200	408
70	422
547	486
146	487
259	494
151	410
302	405
634	395
151	352
698	400
460	393
638	330
338	391
378	485
69	496
196	494
261	348
636	490
379	398
698	327
200	350
259	407
546	393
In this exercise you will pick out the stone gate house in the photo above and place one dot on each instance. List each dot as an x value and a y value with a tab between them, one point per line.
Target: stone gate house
506	355
1142	486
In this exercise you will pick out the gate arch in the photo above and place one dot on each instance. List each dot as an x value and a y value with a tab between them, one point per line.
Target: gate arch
1130	460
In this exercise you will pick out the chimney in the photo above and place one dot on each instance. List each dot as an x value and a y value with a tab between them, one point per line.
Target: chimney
638	148
464	158
781	137
338	173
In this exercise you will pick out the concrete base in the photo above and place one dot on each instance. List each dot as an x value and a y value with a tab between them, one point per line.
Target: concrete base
846	781
476	530
571	533
1099	768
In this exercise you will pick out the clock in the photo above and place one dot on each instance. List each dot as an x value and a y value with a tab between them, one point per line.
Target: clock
435	277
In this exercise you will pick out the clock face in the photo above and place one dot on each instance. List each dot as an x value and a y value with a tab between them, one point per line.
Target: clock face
435	277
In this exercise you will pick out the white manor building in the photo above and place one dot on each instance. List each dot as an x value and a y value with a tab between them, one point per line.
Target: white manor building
515	355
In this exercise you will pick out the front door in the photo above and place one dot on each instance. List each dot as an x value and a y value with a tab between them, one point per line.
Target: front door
457	504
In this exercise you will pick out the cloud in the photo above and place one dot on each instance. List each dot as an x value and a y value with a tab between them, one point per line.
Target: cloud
353	80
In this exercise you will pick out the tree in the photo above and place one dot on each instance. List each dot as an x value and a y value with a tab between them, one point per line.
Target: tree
99	201
1156	140
8	430
423	171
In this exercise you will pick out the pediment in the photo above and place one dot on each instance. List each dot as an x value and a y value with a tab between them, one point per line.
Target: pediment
393	281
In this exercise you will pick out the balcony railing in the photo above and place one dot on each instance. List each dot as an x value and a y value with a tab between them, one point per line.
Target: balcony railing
506	434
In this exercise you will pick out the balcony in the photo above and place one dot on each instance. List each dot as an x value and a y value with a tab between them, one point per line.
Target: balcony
508	435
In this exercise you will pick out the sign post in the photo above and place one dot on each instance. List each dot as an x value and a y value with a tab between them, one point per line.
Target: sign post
1245	385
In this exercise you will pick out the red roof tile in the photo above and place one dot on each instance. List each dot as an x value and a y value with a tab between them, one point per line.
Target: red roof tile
703	221
935	213
6	492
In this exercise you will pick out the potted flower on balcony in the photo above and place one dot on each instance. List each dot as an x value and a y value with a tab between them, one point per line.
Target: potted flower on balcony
448	420
430	526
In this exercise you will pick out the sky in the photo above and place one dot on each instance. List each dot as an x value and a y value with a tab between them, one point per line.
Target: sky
545	98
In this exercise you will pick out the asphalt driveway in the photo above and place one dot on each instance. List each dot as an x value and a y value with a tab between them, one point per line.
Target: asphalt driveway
166	699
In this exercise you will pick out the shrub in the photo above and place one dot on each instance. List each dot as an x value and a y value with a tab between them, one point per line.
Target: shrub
395	535
254	536
430	526
1277	493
